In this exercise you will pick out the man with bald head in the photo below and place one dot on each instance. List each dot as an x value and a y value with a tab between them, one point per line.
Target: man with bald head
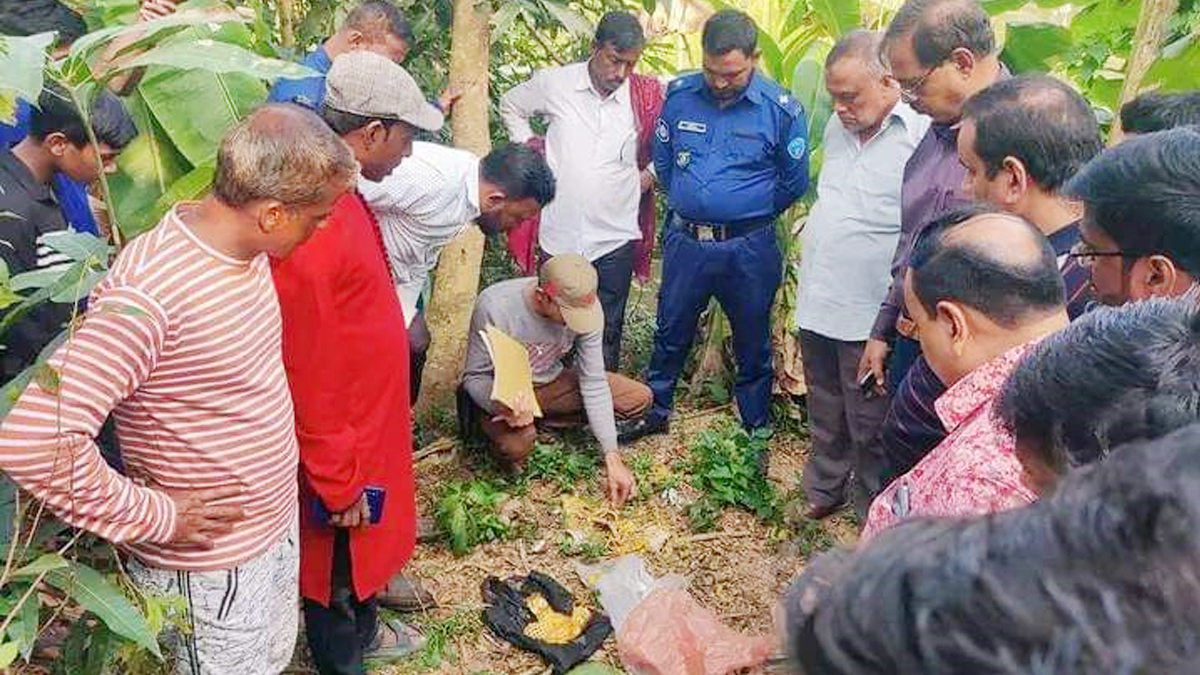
181	343
982	288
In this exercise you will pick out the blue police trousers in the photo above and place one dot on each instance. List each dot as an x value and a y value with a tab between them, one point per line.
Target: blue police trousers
743	273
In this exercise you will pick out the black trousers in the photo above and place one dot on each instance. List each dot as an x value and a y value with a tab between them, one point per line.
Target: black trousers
418	349
615	272
339	634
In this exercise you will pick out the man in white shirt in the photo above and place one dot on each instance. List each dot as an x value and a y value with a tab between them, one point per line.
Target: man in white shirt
436	193
845	269
592	147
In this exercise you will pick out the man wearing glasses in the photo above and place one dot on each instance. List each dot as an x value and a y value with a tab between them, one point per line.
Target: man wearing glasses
1140	235
941	52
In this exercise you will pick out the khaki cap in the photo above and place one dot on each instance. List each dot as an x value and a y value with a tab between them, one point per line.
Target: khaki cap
570	280
368	84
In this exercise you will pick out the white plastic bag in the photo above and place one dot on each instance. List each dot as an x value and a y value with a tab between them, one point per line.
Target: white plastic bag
623	583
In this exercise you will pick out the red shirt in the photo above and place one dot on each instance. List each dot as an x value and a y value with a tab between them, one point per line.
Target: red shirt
346	353
974	471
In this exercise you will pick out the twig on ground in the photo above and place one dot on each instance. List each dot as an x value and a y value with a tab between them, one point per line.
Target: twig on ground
440	445
709	536
706	411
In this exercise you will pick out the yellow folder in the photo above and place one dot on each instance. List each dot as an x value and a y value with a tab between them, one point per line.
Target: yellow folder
513	375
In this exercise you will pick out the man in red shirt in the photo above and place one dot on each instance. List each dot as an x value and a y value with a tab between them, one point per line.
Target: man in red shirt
346	353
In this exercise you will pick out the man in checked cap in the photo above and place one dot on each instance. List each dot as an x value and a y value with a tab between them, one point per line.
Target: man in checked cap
345	349
553	315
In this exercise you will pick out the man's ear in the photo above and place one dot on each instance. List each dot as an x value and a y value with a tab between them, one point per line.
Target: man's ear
964	61
960	331
57	143
493	199
356	39
271	215
1160	276
1017	183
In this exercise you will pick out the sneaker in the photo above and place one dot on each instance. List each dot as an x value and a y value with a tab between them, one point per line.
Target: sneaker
406	593
629	431
394	640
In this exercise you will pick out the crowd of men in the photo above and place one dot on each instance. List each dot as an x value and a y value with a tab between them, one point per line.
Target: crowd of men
258	352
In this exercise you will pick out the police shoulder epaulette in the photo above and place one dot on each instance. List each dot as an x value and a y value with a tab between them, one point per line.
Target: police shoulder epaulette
684	82
788	103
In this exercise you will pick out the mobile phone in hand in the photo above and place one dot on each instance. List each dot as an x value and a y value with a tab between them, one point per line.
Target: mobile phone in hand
867	385
375	499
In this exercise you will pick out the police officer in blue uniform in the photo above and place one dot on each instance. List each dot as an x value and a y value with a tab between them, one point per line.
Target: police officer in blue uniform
731	152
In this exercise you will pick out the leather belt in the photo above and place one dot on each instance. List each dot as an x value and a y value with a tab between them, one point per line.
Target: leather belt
705	232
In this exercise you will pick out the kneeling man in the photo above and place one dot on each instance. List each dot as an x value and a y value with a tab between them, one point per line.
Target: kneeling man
554	315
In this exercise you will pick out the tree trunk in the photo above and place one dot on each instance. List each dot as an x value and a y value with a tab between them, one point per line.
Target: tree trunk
1147	45
287	23
456	281
712	372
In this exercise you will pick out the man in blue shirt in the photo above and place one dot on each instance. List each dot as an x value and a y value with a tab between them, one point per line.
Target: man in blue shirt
375	25
731	152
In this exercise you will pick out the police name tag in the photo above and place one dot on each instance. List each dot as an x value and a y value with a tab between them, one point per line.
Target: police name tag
694	127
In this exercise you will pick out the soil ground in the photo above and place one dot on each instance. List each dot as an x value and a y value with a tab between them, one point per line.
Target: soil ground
738	570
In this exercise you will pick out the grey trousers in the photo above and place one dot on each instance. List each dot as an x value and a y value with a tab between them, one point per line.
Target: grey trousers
843	424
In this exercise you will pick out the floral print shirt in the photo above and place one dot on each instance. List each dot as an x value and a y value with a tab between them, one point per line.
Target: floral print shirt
974	470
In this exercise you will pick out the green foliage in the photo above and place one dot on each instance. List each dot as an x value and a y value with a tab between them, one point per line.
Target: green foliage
562	465
724	466
590	549
440	638
468	513
22	60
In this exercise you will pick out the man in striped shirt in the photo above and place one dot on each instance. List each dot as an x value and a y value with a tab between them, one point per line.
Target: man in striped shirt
181	343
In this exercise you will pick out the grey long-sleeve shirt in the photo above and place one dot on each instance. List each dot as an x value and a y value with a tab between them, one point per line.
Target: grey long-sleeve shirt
506	306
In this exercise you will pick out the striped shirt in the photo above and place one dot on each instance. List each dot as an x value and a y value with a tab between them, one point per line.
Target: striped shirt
183	345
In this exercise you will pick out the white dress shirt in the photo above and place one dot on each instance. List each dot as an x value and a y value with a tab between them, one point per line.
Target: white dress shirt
851	235
591	146
422	205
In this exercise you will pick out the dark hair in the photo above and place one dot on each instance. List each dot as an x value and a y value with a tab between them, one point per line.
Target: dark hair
520	171
1115	375
980	276
1157	111
938	27
728	30
375	17
860	44
30	17
1040	121
1101	577
621	30
1145	195
343	123
55	113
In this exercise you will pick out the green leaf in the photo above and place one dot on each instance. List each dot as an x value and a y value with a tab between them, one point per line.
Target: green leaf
88	46
994	7
45	563
8	653
1035	47
838	16
78	246
1176	69
195	108
573	21
23	62
216	57
148	167
24	629
95	594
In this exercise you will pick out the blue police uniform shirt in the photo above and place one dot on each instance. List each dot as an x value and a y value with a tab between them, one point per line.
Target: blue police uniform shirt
746	161
72	196
306	91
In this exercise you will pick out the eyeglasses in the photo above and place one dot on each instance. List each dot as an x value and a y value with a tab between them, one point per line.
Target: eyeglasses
909	89
1087	256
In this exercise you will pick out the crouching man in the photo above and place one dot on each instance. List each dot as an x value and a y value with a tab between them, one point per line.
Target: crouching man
553	315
